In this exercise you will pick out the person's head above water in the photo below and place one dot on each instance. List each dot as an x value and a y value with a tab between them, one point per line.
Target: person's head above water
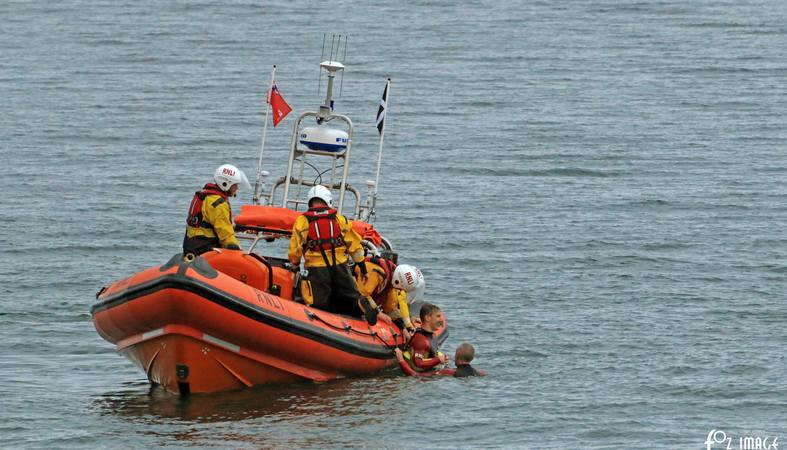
431	317
464	353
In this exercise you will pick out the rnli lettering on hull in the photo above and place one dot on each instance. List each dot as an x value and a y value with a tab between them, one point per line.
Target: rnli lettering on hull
269	300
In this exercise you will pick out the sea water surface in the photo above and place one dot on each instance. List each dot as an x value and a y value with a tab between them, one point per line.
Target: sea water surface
595	191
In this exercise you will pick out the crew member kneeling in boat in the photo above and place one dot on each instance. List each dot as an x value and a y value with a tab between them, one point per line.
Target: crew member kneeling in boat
392	287
324	238
210	214
422	354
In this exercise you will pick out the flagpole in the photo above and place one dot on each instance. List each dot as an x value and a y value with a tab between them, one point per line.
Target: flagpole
382	136
256	196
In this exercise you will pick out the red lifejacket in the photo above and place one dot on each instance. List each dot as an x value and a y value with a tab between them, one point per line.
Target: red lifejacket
195	218
324	231
422	343
388	267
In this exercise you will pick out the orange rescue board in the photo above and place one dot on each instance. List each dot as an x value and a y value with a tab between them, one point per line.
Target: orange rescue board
280	220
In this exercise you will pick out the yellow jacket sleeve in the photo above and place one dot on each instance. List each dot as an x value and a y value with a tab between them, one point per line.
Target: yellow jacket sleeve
404	308
351	238
218	214
395	305
299	231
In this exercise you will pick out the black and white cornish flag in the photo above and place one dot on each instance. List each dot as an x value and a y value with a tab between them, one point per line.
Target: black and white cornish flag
381	110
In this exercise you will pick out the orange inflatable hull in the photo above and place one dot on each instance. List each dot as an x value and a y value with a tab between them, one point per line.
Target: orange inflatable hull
193	329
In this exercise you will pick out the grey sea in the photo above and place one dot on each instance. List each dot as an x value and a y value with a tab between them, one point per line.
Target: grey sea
596	192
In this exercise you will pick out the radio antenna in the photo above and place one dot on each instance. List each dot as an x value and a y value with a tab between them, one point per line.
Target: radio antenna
322	57
332	65
344	59
333	42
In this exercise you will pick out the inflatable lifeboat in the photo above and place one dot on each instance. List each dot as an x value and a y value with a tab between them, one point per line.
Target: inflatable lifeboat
227	320
231	319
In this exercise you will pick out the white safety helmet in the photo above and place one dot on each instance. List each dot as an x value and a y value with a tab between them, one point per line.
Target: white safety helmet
228	175
411	280
321	192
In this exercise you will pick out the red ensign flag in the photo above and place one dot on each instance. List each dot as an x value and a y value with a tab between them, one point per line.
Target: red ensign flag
278	105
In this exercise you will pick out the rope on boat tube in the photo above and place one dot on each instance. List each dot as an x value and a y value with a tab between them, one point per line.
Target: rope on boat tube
312	315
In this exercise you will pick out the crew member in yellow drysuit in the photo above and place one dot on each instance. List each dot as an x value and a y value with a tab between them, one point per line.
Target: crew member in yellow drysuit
324	238
209	223
393	288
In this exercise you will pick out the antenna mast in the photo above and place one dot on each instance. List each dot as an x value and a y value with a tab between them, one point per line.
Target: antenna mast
331	66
